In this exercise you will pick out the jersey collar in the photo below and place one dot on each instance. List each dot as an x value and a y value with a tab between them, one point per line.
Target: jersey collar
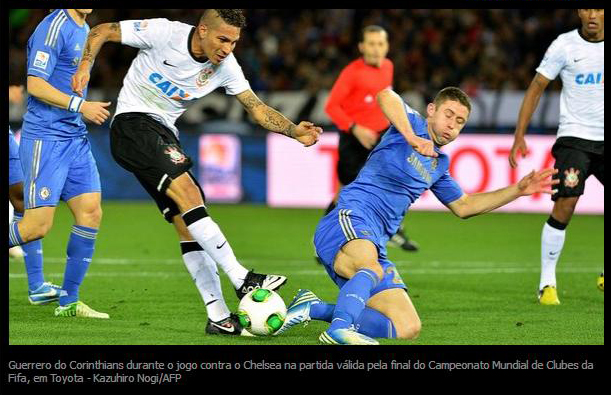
584	37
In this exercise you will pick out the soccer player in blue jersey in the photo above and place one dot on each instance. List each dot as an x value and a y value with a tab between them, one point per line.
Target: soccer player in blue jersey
55	153
351	240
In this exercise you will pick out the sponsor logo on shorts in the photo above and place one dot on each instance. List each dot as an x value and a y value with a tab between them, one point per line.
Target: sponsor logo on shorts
175	155
44	193
571	178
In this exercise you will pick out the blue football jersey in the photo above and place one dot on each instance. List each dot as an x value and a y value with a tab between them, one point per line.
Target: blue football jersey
394	176
53	54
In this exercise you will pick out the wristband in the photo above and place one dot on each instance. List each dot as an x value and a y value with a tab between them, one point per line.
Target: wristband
74	105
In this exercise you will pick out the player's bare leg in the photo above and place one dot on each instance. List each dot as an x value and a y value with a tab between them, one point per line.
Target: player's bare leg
40	292
36	223
188	197
398	307
357	261
87	211
552	242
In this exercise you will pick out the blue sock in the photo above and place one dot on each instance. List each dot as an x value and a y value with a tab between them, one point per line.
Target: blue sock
80	251
372	323
32	256
14	238
322	311
352	299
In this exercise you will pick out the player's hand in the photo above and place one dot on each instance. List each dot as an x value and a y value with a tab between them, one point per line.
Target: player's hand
307	134
95	111
367	137
80	79
519	147
539	182
423	146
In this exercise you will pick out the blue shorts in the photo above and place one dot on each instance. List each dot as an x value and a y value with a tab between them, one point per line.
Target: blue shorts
15	173
57	169
341	226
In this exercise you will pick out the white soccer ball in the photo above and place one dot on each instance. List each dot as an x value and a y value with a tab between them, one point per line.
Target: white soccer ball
262	312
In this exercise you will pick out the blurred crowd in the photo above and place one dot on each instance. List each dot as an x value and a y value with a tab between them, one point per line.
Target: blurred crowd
306	49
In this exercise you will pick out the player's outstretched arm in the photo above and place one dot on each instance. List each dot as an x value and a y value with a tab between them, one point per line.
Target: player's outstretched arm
97	37
95	112
393	108
478	203
306	133
529	105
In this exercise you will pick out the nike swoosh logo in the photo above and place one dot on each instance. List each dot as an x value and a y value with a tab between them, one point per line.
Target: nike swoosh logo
224	329
578	60
221	246
168	64
554	253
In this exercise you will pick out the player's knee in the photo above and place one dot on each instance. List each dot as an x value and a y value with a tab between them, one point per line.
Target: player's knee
92	217
407	329
187	196
31	230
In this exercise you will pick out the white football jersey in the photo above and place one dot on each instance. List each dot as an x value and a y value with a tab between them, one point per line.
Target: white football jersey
581	65
164	78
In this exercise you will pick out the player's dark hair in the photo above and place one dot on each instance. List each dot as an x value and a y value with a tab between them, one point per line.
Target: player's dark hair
370	29
233	17
452	93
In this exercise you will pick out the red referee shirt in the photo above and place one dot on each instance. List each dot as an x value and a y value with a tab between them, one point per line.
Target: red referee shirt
353	96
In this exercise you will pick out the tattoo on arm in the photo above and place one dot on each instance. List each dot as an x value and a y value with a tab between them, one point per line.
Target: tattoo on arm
277	122
97	37
266	116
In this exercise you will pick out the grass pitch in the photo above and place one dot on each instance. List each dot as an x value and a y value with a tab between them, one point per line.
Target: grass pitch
473	282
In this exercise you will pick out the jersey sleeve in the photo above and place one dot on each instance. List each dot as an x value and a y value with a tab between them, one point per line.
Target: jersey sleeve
553	61
145	33
339	92
235	82
45	46
446	189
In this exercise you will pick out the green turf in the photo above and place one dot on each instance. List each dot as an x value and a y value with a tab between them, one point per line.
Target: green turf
473	282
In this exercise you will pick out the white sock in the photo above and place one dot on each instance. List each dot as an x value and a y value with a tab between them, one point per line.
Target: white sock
203	272
552	241
209	236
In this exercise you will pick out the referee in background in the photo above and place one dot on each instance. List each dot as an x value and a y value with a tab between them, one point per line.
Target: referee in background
352	107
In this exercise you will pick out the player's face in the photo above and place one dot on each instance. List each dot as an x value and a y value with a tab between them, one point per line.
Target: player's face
374	48
218	41
592	21
446	121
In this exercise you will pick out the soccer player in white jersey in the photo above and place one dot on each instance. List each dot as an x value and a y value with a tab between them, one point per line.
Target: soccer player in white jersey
176	65
579	57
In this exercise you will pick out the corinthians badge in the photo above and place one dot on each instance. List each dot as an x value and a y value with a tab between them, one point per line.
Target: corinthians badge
175	155
571	178
203	76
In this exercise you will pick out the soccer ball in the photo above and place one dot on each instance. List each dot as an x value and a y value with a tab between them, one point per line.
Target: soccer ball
600	283
262	312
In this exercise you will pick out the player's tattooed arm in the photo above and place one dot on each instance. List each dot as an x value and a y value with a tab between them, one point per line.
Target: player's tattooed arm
266	116
99	35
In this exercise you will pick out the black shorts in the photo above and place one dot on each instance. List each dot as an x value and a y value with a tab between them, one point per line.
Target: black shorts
145	147
576	160
352	157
